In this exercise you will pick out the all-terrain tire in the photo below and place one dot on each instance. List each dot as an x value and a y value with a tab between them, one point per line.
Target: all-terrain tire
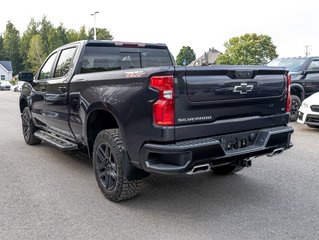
28	128
108	156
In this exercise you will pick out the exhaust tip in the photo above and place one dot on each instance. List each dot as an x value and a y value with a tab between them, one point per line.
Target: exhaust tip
276	151
200	169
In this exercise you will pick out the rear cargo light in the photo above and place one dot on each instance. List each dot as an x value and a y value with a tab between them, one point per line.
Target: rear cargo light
163	108
288	93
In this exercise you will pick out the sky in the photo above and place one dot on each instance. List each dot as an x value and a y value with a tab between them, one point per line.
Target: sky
200	24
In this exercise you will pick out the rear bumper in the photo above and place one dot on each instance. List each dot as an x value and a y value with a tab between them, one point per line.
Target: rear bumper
182	156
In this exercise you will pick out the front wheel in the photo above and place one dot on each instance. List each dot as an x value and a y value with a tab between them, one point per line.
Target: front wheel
295	104
28	128
108	156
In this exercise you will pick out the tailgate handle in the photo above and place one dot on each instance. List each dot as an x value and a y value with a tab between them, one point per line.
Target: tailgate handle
244	74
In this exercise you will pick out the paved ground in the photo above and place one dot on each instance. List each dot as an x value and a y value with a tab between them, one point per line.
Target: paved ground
48	194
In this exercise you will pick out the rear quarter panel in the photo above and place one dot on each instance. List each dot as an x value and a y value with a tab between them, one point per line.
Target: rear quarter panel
127	96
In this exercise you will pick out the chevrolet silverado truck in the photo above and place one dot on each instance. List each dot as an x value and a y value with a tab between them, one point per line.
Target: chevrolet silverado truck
305	79
137	113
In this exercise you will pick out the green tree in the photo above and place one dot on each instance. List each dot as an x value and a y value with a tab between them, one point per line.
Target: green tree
248	49
185	56
101	34
1	48
72	35
82	34
36	54
45	28
57	37
11	47
25	42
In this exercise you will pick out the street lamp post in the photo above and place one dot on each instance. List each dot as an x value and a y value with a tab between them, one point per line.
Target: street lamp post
94	14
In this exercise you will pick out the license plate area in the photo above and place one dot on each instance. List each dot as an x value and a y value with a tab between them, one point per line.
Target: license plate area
238	141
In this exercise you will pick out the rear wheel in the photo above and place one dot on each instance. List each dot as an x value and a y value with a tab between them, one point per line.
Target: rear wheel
108	156
228	169
28	128
295	104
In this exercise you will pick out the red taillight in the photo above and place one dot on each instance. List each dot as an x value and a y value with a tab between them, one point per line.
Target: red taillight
163	108
288	93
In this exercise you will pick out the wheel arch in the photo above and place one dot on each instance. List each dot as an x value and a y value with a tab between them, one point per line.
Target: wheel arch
98	119
297	90
23	104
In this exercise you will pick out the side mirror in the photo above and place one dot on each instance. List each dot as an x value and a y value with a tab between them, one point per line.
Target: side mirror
25	76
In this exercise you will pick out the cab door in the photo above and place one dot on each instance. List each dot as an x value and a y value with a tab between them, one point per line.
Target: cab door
37	106
57	111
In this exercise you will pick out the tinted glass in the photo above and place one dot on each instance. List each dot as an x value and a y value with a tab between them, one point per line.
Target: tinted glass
102	58
293	64
314	65
46	69
64	62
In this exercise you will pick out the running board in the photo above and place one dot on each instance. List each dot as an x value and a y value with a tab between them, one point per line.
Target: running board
56	141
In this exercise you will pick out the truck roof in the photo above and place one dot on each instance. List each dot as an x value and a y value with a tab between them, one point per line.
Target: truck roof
110	43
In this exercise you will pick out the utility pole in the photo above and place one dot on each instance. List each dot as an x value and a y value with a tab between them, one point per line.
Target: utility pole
307	47
94	14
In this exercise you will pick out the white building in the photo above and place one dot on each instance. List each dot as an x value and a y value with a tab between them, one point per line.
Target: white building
5	70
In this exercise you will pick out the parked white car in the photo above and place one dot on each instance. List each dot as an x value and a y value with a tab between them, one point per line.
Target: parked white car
5	86
309	111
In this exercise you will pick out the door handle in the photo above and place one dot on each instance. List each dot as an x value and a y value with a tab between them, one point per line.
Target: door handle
62	89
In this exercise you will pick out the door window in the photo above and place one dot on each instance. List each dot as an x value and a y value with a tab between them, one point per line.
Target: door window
64	62
314	65
46	69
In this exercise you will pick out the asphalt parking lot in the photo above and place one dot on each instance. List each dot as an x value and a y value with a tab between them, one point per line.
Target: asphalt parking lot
49	194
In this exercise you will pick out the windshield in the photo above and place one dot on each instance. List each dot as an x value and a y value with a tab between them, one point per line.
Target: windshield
293	64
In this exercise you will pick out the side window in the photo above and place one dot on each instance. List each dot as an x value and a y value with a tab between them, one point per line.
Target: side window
64	62
314	65
46	69
100	59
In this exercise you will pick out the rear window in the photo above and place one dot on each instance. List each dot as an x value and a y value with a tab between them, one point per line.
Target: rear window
102	58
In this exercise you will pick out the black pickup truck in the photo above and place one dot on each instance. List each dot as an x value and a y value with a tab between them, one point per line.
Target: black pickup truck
304	73
136	112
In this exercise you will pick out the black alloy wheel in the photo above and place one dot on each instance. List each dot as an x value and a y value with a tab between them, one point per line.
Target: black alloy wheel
106	167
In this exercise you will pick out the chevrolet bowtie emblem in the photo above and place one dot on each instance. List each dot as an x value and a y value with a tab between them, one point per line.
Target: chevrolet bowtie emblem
244	88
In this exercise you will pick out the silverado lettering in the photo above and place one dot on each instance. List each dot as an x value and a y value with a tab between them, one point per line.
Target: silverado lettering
192	119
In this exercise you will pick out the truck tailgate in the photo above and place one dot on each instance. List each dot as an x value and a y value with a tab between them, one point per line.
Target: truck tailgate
249	97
